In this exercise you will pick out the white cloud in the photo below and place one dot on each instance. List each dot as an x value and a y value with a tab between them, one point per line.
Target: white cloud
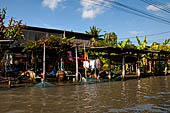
52	4
91	8
135	33
153	8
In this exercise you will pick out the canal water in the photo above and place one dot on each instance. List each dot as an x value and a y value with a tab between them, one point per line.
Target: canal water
147	95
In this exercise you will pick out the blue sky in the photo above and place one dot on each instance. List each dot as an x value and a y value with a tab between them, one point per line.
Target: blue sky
79	15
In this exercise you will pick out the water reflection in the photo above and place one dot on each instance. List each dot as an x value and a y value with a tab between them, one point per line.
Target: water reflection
144	95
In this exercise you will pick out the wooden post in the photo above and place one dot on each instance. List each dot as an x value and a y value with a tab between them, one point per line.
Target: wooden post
95	73
159	69
9	83
26	62
85	59
109	67
136	68
138	65
130	68
166	67
150	66
76	63
44	62
154	66
123	67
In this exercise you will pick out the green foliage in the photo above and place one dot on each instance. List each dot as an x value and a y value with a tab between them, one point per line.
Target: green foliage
94	31
59	43
123	44
30	45
13	30
142	45
110	39
165	46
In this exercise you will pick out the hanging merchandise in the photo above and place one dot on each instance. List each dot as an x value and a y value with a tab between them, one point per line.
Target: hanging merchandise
85	64
70	57
92	64
86	56
10	60
6	59
98	63
62	63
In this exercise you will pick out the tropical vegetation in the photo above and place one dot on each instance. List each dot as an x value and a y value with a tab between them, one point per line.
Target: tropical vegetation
110	40
11	31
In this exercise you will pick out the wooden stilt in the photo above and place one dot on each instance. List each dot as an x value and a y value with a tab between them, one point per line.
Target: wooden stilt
9	84
166	68
85	72
154	66
138	66
130	68
44	62
109	67
150	66
159	64
76	51
85	58
123	67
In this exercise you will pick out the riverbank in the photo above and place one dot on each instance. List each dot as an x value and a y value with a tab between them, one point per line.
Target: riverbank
26	83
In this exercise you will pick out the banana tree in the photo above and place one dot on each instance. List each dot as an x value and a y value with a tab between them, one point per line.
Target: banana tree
165	46
123	44
143	44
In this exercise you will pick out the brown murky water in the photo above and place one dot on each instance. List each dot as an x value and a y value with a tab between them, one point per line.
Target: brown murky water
147	95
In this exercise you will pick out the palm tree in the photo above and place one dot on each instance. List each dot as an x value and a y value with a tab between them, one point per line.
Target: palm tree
95	32
110	39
